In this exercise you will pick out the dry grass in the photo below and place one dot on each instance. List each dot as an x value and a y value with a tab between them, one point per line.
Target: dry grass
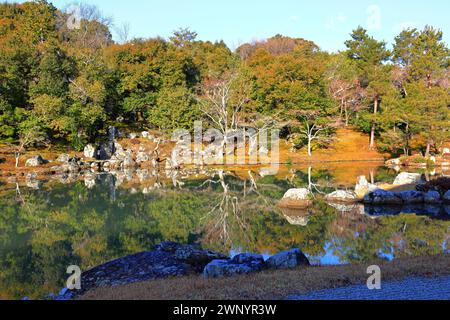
347	145
270	284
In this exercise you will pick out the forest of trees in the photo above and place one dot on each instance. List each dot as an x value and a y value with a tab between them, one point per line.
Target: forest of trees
62	85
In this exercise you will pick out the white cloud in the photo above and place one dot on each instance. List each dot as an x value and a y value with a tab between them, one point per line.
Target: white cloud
294	18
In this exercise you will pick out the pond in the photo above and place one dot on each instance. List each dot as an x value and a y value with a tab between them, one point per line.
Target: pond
46	226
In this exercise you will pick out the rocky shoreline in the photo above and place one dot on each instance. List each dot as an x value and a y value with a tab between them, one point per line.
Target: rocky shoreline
170	259
435	192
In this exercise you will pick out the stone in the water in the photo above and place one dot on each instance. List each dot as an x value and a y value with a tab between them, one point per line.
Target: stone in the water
379	197
356	208
407	178
432	197
412	196
382	210
297	220
63	158
447	210
446	197
363	187
296	198
35	161
297	194
90	151
432	210
342	196
133	135
288	260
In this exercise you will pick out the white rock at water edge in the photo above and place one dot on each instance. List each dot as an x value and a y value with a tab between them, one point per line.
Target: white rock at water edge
407	178
297	194
89	151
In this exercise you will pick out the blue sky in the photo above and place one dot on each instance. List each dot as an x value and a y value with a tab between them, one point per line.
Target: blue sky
326	22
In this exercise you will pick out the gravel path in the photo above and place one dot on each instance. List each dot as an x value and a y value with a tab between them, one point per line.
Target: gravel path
408	289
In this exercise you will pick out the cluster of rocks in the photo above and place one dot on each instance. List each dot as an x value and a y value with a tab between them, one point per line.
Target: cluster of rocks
170	259
430	198
116	157
421	162
383	197
246	263
35	161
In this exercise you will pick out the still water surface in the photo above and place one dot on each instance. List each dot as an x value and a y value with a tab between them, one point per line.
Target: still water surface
47	226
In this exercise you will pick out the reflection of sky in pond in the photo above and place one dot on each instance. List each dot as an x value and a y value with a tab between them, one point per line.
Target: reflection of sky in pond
389	256
329	258
115	220
445	247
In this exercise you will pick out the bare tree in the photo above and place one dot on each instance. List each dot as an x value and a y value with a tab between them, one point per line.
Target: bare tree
29	137
123	32
222	102
312	129
226	212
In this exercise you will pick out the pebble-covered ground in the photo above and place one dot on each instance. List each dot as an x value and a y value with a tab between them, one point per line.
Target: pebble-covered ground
408	289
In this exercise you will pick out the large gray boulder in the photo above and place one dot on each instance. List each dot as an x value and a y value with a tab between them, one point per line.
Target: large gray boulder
249	258
223	268
241	264
193	255
380	197
288	260
407	178
35	161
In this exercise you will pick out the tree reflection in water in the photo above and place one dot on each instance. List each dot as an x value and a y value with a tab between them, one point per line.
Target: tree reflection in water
44	231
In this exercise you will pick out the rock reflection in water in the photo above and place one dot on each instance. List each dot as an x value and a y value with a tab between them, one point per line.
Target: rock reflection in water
98	217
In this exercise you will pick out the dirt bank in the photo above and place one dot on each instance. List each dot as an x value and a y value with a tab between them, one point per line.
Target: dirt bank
271	284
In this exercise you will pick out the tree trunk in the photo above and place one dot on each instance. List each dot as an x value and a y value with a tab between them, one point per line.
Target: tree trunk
372	131
427	152
346	115
309	147
17	156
